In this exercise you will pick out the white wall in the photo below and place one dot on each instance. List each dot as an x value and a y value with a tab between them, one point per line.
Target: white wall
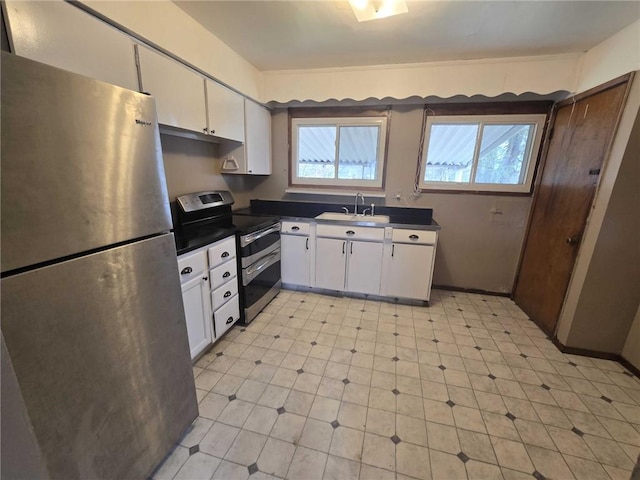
542	75
631	350
617	55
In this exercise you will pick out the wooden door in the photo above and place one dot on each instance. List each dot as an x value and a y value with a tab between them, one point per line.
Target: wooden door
582	133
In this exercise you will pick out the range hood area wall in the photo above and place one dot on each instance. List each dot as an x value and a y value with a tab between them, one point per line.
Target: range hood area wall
193	166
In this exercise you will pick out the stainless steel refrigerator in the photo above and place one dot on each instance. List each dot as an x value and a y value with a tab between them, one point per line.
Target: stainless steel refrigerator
92	312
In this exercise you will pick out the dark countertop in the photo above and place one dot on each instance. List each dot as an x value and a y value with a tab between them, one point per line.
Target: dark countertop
192	239
403	217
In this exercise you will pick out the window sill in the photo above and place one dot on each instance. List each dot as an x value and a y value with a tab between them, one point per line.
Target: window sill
317	191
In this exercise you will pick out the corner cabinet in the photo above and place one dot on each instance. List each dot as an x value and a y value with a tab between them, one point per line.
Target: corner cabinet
409	262
254	157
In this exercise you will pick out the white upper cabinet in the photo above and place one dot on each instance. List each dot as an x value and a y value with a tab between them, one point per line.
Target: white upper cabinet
254	157
61	35
179	91
225	110
258	138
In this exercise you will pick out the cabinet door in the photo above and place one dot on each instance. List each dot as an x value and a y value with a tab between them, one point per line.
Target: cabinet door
197	310
330	263
257	138
61	35
225	110
295	260
409	272
364	267
179	92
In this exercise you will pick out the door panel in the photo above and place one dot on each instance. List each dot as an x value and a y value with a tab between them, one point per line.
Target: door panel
582	134
365	267
330	263
295	259
409	272
195	296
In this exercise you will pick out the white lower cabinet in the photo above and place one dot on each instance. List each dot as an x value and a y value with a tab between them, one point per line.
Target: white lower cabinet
351	262
364	267
296	253
197	311
331	257
409	271
209	292
409	264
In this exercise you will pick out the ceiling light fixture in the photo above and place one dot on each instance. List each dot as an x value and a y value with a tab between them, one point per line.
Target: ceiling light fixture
373	9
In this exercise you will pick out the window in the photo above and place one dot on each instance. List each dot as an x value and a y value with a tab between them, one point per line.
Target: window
338	152
494	153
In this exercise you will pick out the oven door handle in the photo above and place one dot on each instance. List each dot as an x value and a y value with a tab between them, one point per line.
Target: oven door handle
254	270
252	237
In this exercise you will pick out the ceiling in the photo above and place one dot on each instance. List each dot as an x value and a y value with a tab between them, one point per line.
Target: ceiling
285	34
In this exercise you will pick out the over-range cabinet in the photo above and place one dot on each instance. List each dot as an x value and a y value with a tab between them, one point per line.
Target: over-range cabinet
92	314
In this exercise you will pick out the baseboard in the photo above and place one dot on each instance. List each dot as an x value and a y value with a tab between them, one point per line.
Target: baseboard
471	290
597	354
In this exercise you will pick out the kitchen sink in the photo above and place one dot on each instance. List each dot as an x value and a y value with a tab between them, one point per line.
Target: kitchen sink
353	218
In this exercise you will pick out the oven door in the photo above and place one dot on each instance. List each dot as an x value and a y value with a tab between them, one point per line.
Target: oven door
261	282
256	245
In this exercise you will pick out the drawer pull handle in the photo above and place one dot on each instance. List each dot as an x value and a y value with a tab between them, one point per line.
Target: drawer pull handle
350	232
393	249
229	320
295	228
343	245
307	245
224	254
227	294
226	275
186	271
414	237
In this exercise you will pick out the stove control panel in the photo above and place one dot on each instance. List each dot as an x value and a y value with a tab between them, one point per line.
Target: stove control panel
192	202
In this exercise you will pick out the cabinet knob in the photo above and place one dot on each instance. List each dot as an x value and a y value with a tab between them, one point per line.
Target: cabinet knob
227	294
204	130
212	132
226	275
414	237
572	240
186	271
229	320
224	254
205	278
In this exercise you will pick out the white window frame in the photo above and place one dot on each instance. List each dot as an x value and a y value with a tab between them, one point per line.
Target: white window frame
529	163
380	121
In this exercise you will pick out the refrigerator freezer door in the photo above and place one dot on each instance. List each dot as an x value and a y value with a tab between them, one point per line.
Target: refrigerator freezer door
99	347
81	164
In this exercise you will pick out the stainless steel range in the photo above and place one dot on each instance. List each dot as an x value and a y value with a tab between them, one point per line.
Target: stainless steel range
201	214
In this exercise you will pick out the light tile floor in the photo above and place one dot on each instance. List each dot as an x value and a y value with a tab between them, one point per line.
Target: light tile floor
320	387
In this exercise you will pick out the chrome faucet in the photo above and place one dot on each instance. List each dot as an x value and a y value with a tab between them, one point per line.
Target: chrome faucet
355	205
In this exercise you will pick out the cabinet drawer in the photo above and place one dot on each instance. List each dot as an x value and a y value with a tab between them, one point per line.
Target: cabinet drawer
223	273
191	265
226	316
223	294
425	237
222	251
295	228
346	231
